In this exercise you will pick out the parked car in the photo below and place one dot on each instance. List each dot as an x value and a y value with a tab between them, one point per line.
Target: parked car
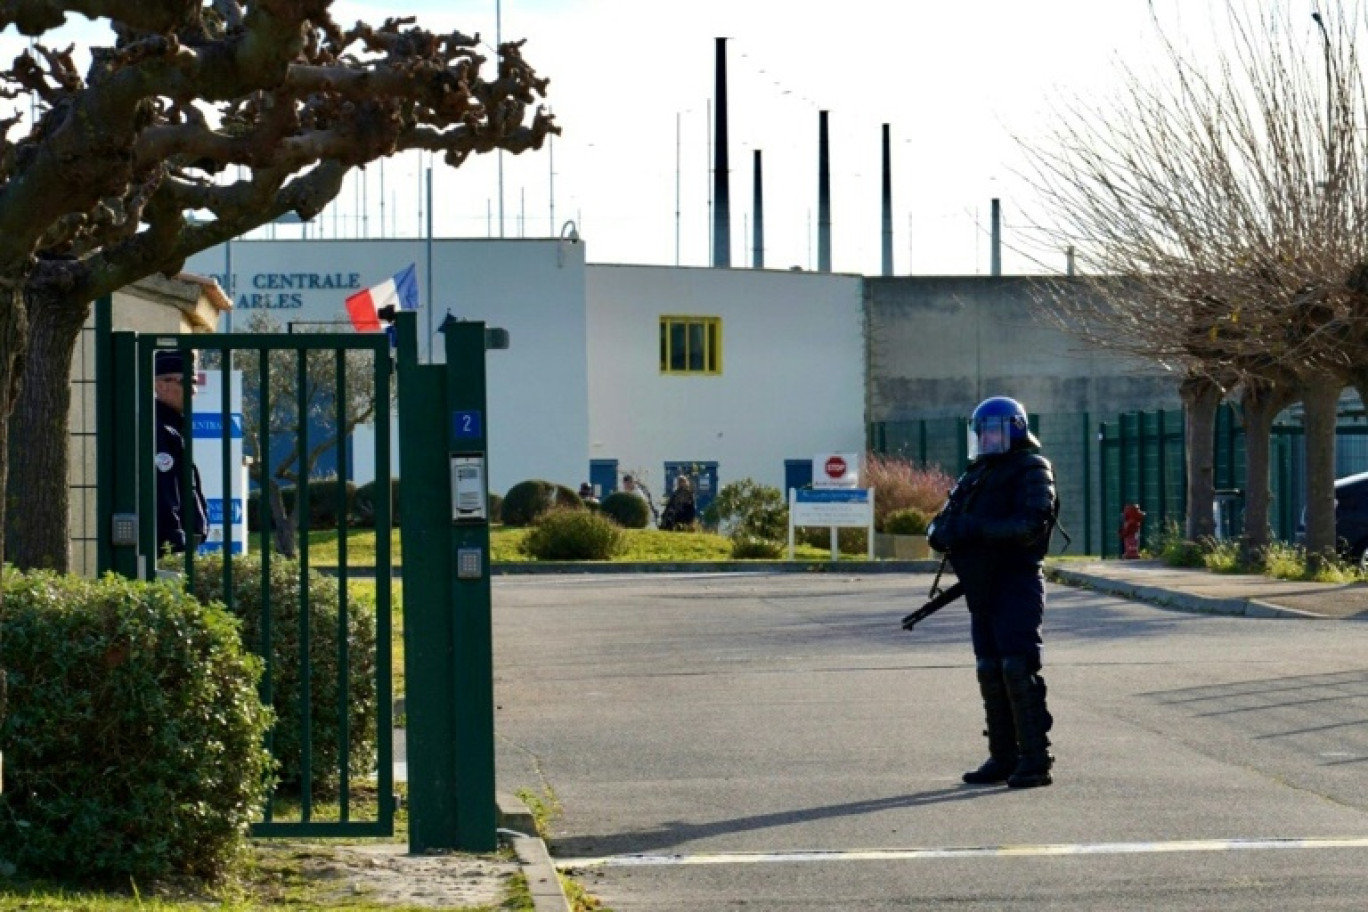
1351	518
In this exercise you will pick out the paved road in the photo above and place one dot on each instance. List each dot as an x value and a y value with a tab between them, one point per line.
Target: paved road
774	742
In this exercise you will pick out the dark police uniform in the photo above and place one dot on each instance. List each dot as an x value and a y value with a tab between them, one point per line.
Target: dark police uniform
175	522
996	529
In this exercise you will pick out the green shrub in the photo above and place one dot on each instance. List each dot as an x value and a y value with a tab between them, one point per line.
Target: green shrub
627	510
324	670
848	541
748	509
574	535
1177	551
1222	556
910	521
745	547
363	504
528	501
133	732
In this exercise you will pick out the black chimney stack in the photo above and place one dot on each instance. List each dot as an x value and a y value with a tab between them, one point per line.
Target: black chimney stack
721	184
823	196
758	253
887	206
997	238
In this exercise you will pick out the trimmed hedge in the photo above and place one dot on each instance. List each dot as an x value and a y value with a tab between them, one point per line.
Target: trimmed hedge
322	503
528	501
910	521
325	672
133	733
627	510
363	505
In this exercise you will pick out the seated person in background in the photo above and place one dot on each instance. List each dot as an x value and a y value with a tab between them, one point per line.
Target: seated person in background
586	493
679	513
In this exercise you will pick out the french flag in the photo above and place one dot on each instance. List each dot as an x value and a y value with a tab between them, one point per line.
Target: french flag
400	291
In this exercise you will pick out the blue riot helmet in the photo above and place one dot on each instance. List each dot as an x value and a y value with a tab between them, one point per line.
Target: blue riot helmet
998	423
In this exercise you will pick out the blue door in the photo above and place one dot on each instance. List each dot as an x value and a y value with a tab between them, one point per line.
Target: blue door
603	476
797	474
702	476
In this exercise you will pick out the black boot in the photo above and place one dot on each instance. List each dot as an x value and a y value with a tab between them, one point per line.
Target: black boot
1001	732
1026	691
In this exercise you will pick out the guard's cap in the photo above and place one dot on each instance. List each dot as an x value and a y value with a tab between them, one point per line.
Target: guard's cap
172	361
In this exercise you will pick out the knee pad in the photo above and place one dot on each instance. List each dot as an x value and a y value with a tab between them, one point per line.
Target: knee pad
988	669
1020	666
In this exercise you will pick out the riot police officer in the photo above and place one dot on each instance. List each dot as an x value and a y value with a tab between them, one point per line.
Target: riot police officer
179	526
995	529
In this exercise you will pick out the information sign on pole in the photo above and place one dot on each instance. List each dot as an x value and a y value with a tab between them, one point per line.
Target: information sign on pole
834	508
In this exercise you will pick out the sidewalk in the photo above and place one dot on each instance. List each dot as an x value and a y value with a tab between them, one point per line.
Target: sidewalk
1199	590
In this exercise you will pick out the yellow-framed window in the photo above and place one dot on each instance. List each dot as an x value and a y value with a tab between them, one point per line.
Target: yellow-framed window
690	345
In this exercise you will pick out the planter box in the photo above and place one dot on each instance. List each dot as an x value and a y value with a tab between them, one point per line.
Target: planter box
901	547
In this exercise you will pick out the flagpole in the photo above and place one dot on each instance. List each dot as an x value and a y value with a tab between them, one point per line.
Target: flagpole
498	42
429	264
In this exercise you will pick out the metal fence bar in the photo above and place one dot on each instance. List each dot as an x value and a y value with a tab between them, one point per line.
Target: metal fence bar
343	658
267	519
302	510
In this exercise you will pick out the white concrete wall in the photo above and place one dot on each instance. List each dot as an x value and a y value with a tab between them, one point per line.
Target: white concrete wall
538	420
792	381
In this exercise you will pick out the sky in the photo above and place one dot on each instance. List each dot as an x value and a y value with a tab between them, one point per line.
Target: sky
962	87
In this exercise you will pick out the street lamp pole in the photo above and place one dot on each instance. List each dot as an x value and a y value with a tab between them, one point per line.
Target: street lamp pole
1329	99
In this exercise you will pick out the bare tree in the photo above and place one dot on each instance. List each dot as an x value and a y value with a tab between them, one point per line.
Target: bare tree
1226	206
236	111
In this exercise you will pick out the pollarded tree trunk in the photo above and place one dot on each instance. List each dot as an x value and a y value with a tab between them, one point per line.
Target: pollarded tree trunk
282	521
1261	402
40	441
13	339
1200	397
1321	400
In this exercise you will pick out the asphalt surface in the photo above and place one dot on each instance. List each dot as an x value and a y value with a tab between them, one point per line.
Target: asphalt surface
776	742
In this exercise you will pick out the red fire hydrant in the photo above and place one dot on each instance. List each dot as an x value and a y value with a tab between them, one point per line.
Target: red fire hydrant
1132	519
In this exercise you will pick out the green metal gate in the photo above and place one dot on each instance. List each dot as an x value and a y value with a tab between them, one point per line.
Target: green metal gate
127	509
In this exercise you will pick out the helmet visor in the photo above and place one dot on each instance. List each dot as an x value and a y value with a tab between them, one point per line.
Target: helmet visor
990	435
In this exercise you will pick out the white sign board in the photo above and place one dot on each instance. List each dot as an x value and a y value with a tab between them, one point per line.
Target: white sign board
836	470
209	437
834	508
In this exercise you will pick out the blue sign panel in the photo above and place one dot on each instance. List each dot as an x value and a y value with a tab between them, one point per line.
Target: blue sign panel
210	424
467	424
833	495
215	505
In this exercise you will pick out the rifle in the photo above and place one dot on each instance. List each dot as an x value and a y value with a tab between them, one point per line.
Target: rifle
937	600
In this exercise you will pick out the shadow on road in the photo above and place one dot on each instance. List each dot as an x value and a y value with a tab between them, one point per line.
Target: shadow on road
675	833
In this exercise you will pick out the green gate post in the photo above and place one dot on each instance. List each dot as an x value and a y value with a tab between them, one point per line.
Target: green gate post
1087	484
448	651
116	446
473	637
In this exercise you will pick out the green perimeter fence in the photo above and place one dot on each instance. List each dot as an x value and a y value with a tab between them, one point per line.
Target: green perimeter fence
1104	462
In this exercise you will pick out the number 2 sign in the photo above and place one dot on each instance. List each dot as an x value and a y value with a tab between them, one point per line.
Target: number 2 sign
466	425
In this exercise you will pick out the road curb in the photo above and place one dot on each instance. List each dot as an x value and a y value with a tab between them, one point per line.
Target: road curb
1169	598
552	568
516	827
846	566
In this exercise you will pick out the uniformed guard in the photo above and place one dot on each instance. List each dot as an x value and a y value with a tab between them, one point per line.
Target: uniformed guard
178	526
995	529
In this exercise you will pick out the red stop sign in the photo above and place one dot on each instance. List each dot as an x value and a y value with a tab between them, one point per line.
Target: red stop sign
835	467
